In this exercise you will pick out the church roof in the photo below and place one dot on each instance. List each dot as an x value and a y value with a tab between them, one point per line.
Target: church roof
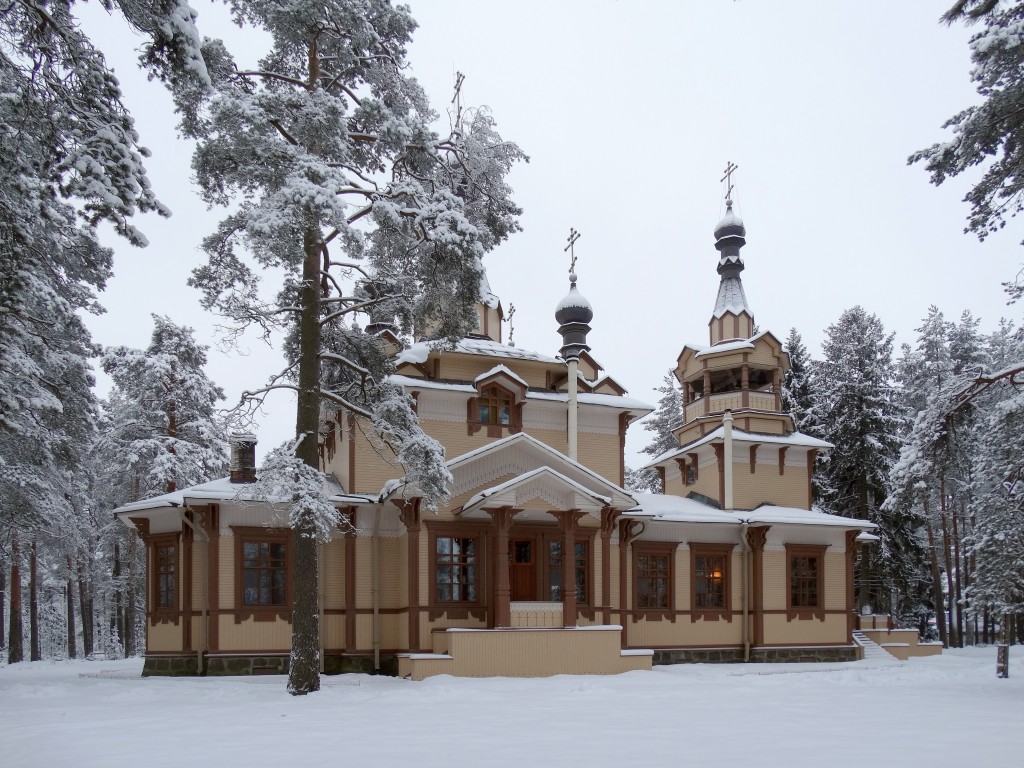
731	297
681	509
738	435
419	352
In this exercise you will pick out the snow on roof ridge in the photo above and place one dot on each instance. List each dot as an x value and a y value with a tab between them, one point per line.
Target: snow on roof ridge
683	509
793	438
500	368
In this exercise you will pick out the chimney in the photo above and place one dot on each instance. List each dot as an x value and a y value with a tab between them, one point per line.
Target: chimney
243	457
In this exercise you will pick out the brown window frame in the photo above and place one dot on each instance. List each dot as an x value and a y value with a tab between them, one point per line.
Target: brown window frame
547	539
156	542
494	396
452	608
803	612
257	535
654	549
711	613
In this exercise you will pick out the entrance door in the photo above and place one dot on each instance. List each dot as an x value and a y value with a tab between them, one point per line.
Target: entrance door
523	569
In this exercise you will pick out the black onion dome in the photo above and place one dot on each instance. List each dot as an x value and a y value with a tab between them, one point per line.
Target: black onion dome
574	308
731	225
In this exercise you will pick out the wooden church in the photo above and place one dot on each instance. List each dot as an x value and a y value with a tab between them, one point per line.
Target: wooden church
542	562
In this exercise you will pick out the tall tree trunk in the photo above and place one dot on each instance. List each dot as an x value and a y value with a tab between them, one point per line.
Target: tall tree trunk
3	605
116	615
70	592
35	649
958	574
129	604
15	648
304	668
948	554
85	607
172	432
937	599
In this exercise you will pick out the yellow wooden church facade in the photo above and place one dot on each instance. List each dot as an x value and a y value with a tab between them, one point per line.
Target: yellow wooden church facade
542	562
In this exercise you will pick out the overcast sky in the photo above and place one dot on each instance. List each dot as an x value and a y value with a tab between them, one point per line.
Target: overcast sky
629	112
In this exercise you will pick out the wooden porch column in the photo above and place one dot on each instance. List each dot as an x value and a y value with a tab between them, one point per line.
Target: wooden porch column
756	538
745	385
350	582
503	589
211	524
628	530
609	517
851	557
409	514
567	521
707	391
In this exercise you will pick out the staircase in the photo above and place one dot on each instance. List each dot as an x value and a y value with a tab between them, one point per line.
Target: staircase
872	651
898	643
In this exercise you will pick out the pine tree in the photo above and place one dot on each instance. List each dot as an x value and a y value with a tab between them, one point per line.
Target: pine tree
797	385
162	413
667	417
340	183
856	406
990	132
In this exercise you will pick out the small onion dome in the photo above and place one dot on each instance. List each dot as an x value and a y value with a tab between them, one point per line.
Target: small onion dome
731	225
574	308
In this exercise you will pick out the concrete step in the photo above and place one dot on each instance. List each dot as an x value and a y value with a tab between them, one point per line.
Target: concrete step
872	650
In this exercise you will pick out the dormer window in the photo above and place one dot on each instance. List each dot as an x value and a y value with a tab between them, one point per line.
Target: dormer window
498	406
494	406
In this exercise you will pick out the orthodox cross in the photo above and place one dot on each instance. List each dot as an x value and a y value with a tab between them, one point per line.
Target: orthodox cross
730	168
573	237
459	78
511	328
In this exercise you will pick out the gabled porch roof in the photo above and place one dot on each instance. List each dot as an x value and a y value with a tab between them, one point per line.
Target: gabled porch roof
542	483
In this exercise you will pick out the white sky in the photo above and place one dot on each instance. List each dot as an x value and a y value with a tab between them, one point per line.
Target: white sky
629	112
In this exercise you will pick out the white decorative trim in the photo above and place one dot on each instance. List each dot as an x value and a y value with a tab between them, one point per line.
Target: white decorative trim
487	470
447	409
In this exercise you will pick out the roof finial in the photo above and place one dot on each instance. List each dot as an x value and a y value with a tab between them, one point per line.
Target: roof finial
511	328
730	168
573	237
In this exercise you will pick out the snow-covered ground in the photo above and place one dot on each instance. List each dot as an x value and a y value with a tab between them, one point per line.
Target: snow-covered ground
940	711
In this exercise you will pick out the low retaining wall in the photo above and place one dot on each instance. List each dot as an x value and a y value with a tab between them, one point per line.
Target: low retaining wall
757	655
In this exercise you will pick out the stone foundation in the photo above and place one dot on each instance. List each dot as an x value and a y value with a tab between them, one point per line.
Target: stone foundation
187	666
763	654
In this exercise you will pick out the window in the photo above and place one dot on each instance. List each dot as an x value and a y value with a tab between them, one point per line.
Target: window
709	581
494	406
263	573
165	576
457	569
555	570
805	581
652	577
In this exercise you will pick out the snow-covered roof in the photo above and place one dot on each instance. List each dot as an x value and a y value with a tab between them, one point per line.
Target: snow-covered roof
544	455
487	296
729	220
417	353
222	489
681	509
587	398
500	369
540	473
739	435
731	297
